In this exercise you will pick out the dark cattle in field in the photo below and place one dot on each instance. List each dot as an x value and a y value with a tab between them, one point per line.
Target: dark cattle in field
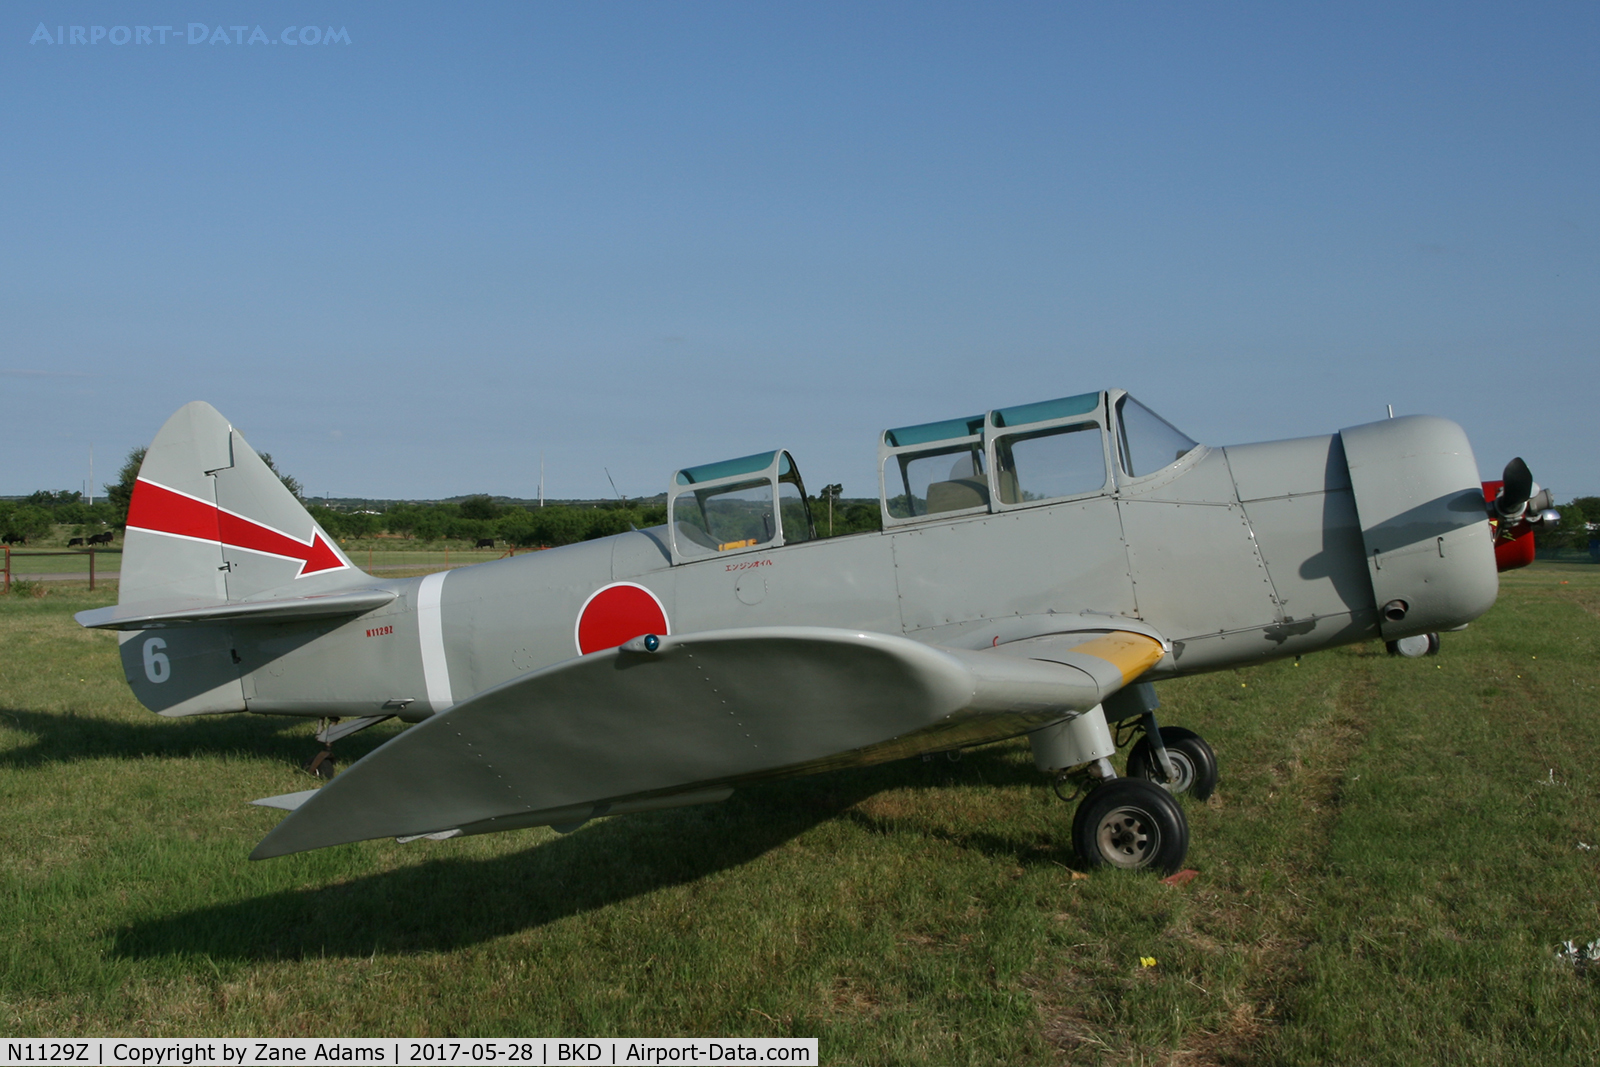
14	539
75	542
485	542
101	538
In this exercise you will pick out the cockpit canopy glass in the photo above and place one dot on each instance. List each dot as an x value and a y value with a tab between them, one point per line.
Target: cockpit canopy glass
1022	456
1047	464
936	481
1037	452
749	502
1145	441
725	517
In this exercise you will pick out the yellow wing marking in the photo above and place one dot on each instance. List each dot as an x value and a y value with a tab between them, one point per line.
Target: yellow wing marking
1130	653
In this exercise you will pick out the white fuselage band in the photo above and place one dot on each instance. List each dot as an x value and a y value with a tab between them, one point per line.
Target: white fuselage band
430	628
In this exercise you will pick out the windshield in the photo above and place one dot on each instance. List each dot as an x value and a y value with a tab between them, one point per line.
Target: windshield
1145	441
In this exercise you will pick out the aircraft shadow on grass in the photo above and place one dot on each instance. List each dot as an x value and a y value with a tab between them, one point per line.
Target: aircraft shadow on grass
451	903
67	738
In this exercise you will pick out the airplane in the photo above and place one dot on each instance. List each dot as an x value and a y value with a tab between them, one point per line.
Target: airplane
1039	567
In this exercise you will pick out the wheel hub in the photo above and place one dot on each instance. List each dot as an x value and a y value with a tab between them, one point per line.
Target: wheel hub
1128	837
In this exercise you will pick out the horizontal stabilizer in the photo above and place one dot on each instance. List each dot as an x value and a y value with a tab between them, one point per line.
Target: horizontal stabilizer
695	712
158	614
286	801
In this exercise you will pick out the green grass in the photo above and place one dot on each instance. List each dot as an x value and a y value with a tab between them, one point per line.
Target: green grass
1385	872
64	561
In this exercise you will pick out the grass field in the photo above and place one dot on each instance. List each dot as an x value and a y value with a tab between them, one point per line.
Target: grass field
1395	851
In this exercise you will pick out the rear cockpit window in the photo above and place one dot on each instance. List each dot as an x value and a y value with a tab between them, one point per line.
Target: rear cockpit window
936	482
1145	441
1010	457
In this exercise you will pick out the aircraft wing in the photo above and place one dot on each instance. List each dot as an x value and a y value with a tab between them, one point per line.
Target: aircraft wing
629	728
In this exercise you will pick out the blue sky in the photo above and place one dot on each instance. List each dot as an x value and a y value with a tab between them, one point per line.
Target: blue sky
639	236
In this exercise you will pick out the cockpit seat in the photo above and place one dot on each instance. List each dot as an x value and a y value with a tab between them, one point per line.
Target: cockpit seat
958	494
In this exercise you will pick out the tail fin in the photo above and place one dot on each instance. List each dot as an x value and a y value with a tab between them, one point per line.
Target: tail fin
210	525
209	519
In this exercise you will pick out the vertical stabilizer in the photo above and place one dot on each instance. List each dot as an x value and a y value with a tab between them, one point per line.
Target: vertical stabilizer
210	522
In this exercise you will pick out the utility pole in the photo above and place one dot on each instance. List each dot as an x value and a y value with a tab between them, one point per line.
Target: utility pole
832	493
91	474
541	477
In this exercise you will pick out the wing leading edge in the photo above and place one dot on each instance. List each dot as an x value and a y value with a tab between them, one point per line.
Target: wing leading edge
627	728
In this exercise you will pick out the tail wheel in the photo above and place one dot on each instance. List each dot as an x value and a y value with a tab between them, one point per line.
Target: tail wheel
322	765
1191	757
1130	823
1415	646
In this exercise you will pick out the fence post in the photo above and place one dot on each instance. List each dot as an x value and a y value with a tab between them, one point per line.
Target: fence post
8	568
91	570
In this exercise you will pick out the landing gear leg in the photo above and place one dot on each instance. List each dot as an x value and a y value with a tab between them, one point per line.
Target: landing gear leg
322	764
1191	765
1122	822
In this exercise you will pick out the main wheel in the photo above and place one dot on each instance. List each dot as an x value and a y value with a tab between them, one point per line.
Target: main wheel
1415	646
1130	823
1191	757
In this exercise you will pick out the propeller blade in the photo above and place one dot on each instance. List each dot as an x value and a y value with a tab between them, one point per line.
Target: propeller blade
1517	489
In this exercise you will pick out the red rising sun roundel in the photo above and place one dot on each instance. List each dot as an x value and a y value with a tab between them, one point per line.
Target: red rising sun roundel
617	614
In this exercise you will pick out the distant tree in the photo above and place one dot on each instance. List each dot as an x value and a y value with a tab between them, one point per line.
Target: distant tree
1589	505
44	498
436	521
399	519
289	481
556	524
861	516
1572	532
361	524
27	521
603	522
481	507
121	491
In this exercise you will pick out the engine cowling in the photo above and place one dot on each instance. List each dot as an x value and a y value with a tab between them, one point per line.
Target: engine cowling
1419	500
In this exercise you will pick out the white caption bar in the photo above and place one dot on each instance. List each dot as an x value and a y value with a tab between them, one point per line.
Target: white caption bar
241	1052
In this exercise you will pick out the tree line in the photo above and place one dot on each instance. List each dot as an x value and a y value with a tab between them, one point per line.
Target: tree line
473	518
478	517
1573	532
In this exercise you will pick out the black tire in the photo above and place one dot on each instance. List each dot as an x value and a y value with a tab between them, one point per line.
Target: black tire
1191	757
1414	647
322	766
1132	824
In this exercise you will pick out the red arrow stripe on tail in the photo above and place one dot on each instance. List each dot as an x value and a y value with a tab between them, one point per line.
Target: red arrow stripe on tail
161	510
